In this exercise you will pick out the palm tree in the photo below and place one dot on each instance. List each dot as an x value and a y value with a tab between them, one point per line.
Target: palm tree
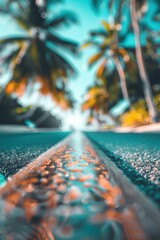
135	8
140	60
95	102
108	48
35	57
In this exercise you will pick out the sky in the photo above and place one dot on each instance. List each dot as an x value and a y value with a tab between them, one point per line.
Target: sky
88	20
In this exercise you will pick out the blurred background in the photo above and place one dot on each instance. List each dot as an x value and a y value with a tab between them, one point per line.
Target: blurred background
67	64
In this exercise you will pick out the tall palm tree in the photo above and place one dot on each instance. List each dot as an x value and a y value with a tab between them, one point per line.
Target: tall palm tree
35	57
140	60
109	48
135	8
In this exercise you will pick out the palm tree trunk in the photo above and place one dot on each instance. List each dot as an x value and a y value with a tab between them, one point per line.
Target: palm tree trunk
122	77
141	65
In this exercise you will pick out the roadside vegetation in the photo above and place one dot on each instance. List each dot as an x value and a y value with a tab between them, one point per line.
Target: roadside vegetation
126	73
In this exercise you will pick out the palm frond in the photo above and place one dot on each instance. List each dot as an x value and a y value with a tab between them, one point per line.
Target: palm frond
23	66
48	80
7	8
63	98
96	99
101	68
98	33
95	58
107	26
18	2
124	54
86	44
63	43
107	43
18	87
22	22
44	68
12	40
61	62
64	18
37	58
7	60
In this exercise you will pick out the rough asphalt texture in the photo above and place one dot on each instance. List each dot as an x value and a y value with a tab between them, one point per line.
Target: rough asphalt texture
19	149
137	155
69	194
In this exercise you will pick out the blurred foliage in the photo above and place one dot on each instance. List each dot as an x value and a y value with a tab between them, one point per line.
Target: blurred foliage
138	114
109	81
105	41
119	70
12	112
34	57
21	110
95	101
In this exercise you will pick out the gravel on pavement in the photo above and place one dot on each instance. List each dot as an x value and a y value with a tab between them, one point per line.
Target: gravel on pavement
19	149
137	155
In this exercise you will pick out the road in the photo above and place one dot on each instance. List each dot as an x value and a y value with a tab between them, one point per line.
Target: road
19	149
73	191
137	155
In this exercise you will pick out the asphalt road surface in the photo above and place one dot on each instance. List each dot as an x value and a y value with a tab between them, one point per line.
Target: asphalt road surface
137	155
19	149
73	191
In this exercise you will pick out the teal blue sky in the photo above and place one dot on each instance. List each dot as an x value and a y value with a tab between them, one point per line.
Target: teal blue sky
88	19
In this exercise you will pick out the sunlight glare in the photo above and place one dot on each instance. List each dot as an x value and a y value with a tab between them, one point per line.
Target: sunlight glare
74	120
